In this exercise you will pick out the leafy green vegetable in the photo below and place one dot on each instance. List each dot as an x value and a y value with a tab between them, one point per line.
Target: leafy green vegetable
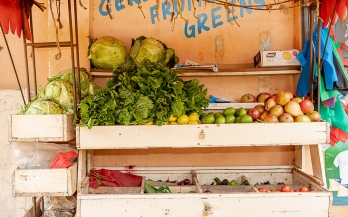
153	50
42	107
107	52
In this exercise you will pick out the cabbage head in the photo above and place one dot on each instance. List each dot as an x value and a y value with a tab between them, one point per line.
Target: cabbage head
150	49
66	75
107	53
43	107
61	92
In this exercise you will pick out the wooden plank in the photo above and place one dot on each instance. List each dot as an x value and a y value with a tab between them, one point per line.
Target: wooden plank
42	128
215	135
81	169
317	162
45	182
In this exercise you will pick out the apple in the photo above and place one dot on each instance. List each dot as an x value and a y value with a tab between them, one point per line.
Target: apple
270	97
263	115
270	103
298	99
293	108
306	106
254	113
262	97
276	110
285	117
246	119
283	97
247	98
240	112
271	119
314	116
260	107
302	118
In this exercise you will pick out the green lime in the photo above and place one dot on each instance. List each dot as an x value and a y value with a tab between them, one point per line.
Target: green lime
183	119
246	119
220	119
229	111
240	112
203	115
211	113
218	114
237	120
208	119
230	119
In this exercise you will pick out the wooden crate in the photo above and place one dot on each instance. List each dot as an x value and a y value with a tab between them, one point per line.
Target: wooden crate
41	128
202	135
45	182
226	201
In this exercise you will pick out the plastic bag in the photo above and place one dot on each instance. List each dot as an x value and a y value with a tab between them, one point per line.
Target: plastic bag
31	155
59	206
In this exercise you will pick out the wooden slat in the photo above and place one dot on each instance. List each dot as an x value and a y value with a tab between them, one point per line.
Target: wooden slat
181	136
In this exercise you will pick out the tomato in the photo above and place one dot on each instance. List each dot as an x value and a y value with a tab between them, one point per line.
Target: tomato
262	189
297	190
285	188
304	189
274	190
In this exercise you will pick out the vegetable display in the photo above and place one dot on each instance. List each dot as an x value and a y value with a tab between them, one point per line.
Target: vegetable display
42	107
149	93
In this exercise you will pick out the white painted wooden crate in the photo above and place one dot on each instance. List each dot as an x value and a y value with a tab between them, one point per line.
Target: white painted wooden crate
202	135
229	202
41	128
45	182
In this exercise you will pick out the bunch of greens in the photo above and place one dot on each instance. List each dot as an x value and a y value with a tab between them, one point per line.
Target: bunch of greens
143	94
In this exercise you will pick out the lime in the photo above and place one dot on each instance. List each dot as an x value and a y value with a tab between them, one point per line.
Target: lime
194	117
230	119
193	122
172	118
246	119
217	114
202	115
183	119
237	120
173	123
229	111
220	119
208	119
240	112
211	113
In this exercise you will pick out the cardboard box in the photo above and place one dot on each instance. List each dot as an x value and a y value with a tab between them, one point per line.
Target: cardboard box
276	58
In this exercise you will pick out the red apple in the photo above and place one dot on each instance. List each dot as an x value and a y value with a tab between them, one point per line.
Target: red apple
262	97
254	113
263	115
306	106
260	107
285	117
247	98
314	116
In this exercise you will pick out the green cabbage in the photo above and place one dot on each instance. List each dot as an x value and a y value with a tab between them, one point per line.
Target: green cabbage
61	92
66	75
152	50
43	107
107	53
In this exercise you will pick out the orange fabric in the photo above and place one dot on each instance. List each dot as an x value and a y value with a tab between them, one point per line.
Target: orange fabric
64	159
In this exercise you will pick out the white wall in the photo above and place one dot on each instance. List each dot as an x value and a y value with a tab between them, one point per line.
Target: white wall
10	103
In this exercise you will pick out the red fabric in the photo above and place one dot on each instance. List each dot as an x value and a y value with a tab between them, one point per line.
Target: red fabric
113	178
336	135
327	9
64	159
10	18
345	108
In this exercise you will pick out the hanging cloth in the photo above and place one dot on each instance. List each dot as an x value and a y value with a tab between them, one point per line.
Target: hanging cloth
336	116
327	63
342	77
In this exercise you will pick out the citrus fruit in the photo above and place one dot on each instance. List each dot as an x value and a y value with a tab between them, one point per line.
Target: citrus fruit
208	119
203	114
194	117
220	119
240	112
149	123
172	118
211	113
173	123
183	119
246	119
229	111
218	114
230	119
237	120
193	122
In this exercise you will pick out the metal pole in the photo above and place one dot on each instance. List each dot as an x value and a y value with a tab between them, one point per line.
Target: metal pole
26	53
311	76
77	51
319	67
33	52
14	67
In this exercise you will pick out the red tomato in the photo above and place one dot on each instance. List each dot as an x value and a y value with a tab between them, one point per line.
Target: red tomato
274	190
304	189
262	189
297	190
285	188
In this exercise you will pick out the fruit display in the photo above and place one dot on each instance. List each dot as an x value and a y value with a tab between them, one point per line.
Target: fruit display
283	188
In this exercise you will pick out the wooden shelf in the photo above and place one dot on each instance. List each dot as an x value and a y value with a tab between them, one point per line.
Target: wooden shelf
224	70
